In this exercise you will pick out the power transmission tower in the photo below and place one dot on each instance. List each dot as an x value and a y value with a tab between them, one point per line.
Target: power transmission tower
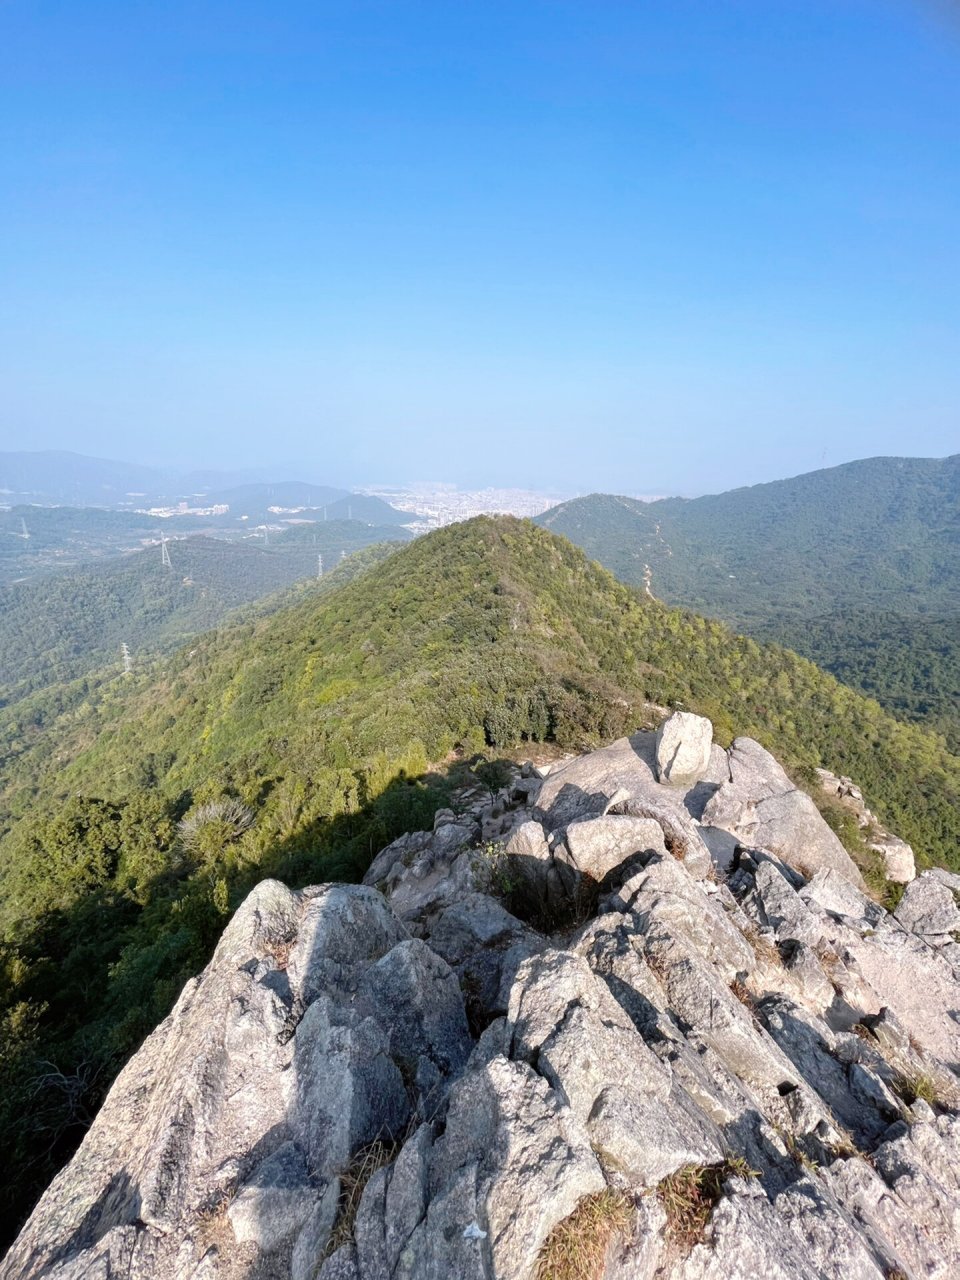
266	536
164	553
349	510
319	565
23	526
127	659
343	556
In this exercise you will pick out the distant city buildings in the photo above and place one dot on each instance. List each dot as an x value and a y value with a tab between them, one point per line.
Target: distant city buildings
434	505
183	509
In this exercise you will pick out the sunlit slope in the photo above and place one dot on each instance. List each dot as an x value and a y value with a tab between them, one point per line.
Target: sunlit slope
856	567
882	533
489	632
61	626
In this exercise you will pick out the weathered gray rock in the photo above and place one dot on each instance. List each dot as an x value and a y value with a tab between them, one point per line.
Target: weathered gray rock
511	1164
599	845
763	809
768	1015
782	908
683	748
485	945
797	1236
314	1236
425	1015
565	1019
275	1201
899	862
528	841
929	908
832	892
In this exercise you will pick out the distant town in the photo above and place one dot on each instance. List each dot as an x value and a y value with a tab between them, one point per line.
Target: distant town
434	505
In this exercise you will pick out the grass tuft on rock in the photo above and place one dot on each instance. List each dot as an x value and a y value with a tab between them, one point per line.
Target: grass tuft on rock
690	1195
353	1180
917	1087
576	1249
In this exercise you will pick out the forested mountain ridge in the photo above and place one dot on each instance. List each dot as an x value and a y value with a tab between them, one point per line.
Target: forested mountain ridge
820	562
59	626
136	811
882	533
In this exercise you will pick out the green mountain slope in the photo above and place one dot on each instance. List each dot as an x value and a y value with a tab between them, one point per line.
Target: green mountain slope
910	665
61	537
850	547
297	744
61	626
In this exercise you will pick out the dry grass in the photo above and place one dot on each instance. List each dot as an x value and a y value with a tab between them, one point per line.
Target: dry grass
765	951
213	1228
576	1249
280	949
353	1180
658	966
677	846
689	1196
917	1087
742	993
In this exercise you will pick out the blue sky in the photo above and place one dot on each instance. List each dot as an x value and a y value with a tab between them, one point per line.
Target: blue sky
657	246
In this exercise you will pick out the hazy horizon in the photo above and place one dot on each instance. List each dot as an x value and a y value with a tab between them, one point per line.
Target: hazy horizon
672	248
305	472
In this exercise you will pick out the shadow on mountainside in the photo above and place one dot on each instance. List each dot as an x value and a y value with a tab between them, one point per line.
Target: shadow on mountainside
86	984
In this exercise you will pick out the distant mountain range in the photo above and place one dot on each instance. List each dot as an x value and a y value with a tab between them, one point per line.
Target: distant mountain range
60	476
856	567
73	479
259	502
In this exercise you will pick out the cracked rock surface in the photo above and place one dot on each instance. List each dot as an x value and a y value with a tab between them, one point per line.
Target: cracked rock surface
421	1077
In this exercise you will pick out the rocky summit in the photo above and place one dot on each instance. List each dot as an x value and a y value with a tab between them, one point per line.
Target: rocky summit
636	1018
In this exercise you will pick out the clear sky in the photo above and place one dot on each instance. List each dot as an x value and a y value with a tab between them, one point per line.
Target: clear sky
633	245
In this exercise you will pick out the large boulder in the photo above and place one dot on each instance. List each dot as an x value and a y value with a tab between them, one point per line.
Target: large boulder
929	908
899	862
683	749
762	808
599	845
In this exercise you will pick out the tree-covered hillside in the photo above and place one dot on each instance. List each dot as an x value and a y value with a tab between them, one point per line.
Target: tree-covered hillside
909	664
60	537
136	811
58	627
851	547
